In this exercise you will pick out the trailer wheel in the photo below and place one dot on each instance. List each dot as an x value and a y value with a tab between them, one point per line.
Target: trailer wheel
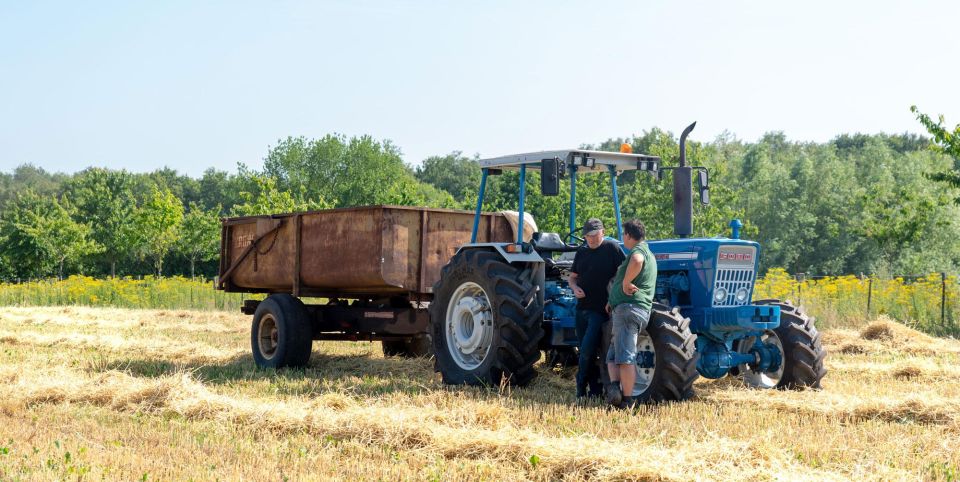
669	344
418	346
563	356
486	320
803	352
281	334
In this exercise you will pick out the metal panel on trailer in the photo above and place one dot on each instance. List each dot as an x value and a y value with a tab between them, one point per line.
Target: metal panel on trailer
374	250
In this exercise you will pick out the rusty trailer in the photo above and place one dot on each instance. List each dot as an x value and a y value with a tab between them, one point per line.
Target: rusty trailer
371	270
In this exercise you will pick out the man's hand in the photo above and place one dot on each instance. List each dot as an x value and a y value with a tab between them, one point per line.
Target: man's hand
577	290
629	288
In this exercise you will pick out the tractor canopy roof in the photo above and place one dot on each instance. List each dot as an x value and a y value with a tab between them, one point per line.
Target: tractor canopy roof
585	160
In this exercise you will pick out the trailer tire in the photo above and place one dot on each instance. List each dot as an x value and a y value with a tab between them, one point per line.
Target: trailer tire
563	356
281	334
803	352
675	358
416	347
486	320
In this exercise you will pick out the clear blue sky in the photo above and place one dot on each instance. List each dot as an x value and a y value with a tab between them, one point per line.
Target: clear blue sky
191	85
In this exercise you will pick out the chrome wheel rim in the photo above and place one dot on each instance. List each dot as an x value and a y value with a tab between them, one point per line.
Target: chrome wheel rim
469	326
644	375
765	379
268	336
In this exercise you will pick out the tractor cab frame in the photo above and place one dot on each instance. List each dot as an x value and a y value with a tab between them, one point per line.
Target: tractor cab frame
554	165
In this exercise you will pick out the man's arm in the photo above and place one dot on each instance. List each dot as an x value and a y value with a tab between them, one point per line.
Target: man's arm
633	270
574	277
577	290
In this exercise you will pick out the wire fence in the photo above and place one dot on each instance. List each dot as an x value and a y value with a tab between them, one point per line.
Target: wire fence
930	303
926	302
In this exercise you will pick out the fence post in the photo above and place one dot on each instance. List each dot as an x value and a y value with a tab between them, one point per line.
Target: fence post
869	294
799	277
943	298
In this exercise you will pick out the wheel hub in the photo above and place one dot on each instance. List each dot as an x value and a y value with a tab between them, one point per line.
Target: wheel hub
646	363
269	337
767	370
469	326
767	355
472	317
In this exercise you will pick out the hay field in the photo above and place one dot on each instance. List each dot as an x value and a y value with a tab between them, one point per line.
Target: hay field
114	394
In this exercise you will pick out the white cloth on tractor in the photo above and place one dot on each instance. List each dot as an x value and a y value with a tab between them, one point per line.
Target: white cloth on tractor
529	225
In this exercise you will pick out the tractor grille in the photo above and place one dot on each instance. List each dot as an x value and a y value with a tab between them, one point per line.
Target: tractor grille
733	279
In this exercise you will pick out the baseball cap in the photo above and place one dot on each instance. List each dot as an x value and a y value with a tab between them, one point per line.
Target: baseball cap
592	226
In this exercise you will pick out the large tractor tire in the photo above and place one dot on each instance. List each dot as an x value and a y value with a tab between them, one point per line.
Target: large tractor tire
416	347
281	334
800	345
486	320
674	357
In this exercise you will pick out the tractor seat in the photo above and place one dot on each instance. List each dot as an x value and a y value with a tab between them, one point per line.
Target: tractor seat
551	242
559	263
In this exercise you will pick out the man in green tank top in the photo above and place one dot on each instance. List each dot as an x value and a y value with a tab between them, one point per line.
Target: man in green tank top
630	302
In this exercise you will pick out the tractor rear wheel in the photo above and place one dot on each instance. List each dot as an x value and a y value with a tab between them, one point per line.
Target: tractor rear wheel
418	346
666	358
802	350
486	320
281	334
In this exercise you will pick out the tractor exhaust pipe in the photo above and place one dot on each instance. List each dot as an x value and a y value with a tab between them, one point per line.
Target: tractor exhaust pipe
683	191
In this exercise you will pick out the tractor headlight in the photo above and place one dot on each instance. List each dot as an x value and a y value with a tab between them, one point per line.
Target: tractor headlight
720	295
742	294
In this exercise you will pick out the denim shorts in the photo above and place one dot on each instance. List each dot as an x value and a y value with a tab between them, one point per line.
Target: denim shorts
628	321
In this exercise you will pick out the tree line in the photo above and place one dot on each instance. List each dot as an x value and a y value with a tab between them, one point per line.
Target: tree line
859	203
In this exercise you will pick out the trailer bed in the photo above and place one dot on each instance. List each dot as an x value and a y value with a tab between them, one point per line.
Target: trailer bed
370	251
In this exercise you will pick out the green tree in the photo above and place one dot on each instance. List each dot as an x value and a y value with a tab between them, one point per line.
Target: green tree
454	173
946	142
184	187
220	188
267	198
199	235
40	233
68	239
348	172
28	176
104	199
157	226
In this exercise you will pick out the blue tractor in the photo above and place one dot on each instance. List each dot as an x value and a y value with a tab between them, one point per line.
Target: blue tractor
497	305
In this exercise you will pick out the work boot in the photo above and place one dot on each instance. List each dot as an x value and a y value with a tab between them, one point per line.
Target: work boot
627	403
581	392
614	394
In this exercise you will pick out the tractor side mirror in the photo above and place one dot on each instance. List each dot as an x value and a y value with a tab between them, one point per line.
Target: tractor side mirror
703	182
550	177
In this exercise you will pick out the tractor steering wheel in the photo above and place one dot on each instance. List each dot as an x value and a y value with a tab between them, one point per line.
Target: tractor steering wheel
574	236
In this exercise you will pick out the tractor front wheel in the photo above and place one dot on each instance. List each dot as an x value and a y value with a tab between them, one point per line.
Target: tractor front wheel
486	320
802	351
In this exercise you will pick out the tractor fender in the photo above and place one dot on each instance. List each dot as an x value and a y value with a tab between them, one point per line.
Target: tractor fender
508	257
